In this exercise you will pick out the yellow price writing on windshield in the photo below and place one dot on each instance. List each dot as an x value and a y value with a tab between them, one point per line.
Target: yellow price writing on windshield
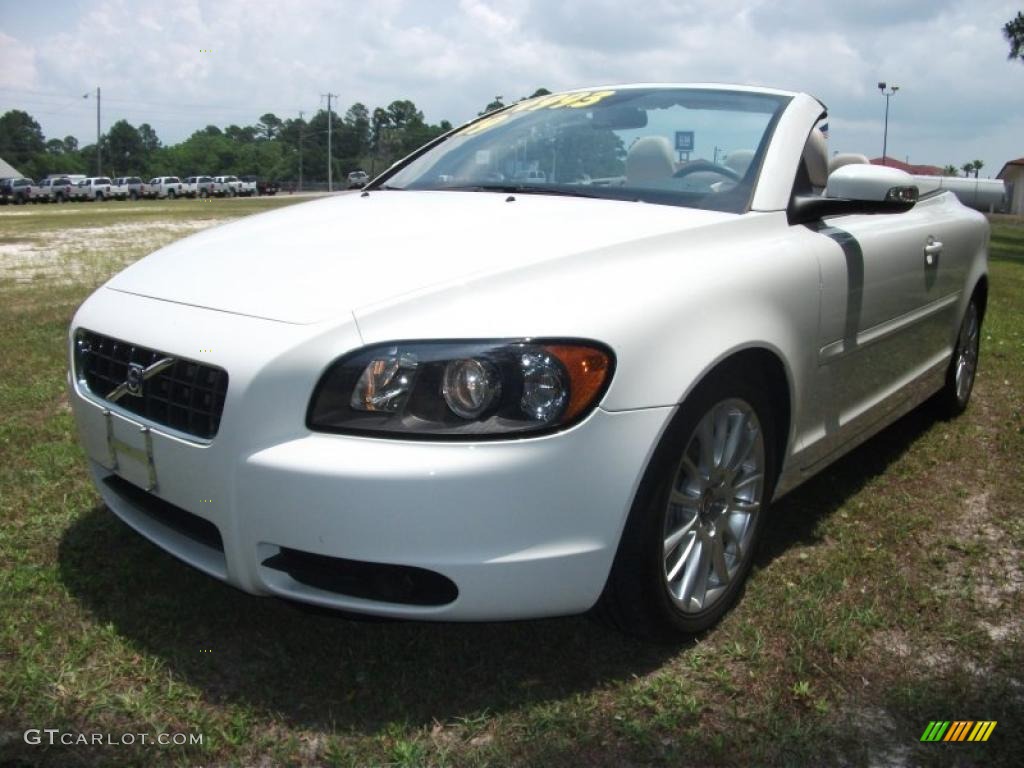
482	125
576	100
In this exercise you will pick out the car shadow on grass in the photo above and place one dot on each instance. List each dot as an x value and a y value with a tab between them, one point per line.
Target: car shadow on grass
320	669
794	519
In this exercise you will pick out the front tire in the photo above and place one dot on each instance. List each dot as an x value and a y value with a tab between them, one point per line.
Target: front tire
690	539
953	398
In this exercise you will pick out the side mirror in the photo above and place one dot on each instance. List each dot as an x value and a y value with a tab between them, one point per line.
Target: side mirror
858	188
872	183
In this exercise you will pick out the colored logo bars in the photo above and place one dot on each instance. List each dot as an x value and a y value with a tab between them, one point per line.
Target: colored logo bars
958	730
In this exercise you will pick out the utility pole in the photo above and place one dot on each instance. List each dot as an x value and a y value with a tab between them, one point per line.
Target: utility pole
99	150
302	125
330	170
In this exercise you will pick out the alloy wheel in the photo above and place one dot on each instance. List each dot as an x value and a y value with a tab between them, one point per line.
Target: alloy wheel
967	353
713	504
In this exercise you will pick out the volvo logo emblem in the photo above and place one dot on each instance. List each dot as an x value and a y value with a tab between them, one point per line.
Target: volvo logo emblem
137	376
135	380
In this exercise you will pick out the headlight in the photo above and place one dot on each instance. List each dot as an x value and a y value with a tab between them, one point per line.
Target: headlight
461	389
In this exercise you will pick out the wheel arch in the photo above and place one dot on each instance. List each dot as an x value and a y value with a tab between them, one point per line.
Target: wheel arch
767	363
758	362
980	292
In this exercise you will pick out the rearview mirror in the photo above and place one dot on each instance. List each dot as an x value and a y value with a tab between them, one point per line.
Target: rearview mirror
858	188
619	118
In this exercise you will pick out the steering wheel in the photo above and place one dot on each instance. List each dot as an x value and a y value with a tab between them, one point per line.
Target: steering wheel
701	164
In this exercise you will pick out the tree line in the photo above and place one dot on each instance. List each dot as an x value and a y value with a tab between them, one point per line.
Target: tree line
273	148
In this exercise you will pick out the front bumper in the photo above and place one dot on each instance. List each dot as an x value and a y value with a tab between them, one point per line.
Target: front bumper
523	528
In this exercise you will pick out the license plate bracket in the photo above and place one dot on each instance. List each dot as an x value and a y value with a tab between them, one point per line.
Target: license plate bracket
130	450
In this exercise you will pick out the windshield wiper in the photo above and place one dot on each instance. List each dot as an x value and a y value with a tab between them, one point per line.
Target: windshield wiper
520	189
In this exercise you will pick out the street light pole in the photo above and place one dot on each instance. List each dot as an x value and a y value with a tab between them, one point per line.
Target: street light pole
885	131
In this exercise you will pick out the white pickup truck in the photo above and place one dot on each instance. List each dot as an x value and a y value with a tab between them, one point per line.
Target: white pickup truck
129	187
199	186
96	188
226	186
165	186
17	190
247	186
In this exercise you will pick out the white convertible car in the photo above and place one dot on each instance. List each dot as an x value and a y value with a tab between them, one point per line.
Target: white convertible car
561	358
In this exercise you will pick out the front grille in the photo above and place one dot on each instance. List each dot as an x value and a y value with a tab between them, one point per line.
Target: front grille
187	396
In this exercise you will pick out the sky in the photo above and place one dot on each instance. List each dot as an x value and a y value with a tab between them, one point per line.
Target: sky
183	65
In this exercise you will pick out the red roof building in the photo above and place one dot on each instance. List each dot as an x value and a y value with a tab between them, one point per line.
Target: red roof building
918	170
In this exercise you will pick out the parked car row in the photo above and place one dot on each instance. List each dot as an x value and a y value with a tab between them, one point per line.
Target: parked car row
72	188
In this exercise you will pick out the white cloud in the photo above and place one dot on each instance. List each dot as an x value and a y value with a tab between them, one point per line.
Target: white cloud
19	69
959	97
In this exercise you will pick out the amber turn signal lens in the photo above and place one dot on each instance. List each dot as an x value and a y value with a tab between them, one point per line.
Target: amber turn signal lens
588	369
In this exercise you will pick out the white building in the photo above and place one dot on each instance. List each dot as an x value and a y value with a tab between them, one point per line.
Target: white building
1013	176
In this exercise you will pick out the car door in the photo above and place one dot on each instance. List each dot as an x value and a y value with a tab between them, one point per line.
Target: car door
888	291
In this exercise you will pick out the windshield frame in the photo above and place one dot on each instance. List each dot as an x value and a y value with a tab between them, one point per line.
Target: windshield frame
631	194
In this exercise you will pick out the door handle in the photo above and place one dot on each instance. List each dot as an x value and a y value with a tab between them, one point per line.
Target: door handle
932	251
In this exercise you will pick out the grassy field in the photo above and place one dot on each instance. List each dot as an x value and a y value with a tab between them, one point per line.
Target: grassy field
888	593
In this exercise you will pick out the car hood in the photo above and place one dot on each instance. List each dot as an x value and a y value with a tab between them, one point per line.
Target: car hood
330	257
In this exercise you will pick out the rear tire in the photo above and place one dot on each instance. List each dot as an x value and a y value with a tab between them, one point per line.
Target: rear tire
691	535
955	395
170	194
99	197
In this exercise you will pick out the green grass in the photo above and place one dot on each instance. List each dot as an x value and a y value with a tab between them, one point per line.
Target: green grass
888	593
28	222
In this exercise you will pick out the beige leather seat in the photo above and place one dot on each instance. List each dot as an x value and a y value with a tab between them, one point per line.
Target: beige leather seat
650	159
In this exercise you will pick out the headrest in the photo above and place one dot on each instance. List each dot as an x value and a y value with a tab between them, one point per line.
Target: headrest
846	158
649	159
739	160
816	158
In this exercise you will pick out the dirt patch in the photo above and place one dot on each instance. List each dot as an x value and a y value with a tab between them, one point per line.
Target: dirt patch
87	254
876	724
999	578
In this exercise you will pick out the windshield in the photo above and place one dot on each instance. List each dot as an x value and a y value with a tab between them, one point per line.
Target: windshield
700	148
